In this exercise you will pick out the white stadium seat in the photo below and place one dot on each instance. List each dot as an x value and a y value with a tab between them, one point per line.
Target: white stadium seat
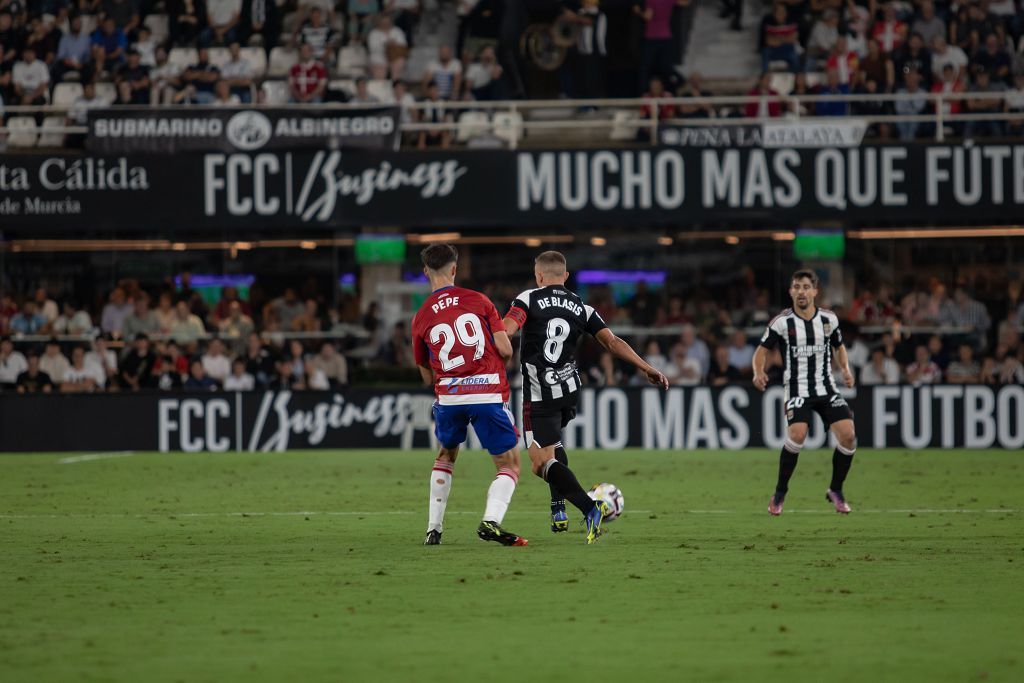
276	92
382	90
352	61
183	56
346	84
158	24
473	124
51	139
219	56
64	94
107	91
782	82
506	124
22	131
281	61
622	128
256	56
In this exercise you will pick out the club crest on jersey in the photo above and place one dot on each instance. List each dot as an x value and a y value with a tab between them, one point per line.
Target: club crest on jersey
827	327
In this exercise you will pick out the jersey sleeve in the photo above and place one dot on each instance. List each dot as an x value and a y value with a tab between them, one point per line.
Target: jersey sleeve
492	318
595	323
420	352
771	339
518	311
836	338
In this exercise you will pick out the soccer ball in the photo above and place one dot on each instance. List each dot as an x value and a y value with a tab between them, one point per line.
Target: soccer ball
612	496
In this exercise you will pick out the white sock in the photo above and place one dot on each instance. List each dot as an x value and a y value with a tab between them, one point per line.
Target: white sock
500	495
440	487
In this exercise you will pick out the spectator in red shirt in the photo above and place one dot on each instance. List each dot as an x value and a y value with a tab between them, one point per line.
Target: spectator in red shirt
768	103
307	80
890	32
780	39
654	92
658	56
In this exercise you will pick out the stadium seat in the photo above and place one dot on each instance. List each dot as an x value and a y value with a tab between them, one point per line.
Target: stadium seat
782	82
419	59
622	127
219	56
352	61
108	91
158	24
382	90
291	22
89	23
276	92
506	124
256	56
473	124
281	61
49	138
814	79
64	94
22	131
184	57
346	84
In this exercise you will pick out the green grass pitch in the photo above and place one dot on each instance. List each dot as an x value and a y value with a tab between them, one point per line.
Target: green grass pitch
141	569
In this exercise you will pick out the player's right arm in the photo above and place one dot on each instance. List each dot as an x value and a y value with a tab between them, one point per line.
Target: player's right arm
620	349
769	340
516	316
421	355
760	376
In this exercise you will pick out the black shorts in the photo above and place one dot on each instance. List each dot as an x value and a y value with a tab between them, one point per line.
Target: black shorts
543	421
831	408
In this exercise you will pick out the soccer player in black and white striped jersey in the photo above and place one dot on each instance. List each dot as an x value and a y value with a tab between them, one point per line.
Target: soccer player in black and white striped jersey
810	341
553	319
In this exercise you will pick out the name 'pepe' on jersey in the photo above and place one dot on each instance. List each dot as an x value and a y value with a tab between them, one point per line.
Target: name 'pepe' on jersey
453	332
552	320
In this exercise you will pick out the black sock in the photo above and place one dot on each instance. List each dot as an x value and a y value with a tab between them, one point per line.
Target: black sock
557	501
787	463
840	468
562	478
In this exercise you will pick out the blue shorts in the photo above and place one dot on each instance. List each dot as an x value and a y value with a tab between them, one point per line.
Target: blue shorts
492	423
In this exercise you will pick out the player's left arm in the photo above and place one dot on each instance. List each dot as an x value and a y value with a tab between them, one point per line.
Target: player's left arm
843	361
427	374
620	349
498	332
841	357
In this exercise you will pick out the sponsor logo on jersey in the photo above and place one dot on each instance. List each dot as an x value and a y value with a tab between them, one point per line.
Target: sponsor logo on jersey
807	350
472	380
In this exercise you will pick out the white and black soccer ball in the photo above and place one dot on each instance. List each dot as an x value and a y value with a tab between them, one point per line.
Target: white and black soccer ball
612	496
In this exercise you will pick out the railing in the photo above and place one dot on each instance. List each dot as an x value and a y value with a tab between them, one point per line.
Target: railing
520	123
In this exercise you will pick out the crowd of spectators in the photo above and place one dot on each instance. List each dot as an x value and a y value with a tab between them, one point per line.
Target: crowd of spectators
171	338
906	48
45	43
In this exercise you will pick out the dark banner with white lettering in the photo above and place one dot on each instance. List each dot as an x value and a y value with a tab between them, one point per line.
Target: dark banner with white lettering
170	130
676	186
730	418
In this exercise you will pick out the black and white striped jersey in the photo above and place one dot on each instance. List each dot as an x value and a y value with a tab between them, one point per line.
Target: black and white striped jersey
807	347
552	320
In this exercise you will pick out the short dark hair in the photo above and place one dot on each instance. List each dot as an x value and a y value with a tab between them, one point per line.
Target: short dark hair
551	258
806	273
437	256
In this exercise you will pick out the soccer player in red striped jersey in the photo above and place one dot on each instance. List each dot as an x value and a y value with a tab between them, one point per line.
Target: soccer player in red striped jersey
461	348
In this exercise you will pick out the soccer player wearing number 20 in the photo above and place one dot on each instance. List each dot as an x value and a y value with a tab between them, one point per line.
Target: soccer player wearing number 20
552	320
807	336
461	348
